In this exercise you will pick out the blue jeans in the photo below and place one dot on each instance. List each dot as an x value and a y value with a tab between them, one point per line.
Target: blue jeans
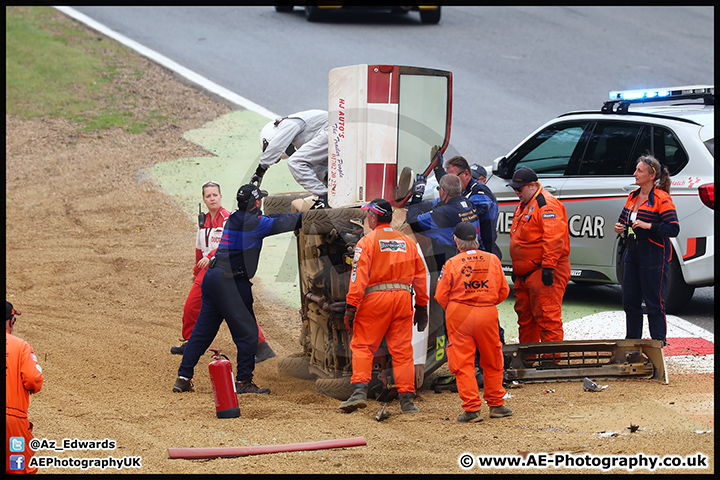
645	276
230	299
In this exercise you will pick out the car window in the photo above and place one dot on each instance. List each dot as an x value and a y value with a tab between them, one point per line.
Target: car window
611	148
549	152
668	150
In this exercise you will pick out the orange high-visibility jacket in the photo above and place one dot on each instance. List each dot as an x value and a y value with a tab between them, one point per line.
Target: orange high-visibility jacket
473	277
386	256
23	376
539	235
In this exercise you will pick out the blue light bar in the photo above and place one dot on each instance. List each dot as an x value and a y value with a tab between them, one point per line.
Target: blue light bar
662	93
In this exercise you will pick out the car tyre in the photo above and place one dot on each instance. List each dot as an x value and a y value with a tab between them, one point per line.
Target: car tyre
338	388
430	17
296	366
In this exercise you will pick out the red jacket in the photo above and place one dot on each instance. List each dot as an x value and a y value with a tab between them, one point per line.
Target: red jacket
208	237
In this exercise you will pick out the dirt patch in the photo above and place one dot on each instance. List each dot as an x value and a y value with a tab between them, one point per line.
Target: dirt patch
99	262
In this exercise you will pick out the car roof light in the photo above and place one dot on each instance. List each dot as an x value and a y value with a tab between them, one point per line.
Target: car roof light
622	99
690	91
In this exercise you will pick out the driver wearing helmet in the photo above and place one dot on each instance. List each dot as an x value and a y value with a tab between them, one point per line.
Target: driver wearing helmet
302	139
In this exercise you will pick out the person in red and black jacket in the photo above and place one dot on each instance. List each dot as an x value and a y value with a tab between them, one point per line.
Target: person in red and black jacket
646	223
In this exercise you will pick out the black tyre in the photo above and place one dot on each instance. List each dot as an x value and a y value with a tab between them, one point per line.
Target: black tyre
321	221
283	7
313	13
430	17
677	293
338	388
295	366
280	203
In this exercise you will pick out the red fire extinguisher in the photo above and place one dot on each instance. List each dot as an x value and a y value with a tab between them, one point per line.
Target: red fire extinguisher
223	385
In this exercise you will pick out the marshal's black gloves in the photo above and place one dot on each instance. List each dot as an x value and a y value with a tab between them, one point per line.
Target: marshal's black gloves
547	276
421	317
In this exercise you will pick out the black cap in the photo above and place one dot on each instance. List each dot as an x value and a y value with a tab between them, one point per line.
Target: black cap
10	311
465	231
250	193
522	176
478	171
381	208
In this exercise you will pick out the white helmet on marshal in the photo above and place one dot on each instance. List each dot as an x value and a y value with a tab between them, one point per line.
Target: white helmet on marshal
267	133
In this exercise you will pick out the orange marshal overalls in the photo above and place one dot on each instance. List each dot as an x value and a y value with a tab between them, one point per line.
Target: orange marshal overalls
23	376
470	286
385	256
539	238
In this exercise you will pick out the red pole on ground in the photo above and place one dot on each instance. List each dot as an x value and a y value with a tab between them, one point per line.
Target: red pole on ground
195	453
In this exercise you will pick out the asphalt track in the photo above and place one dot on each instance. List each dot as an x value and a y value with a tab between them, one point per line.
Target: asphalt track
233	141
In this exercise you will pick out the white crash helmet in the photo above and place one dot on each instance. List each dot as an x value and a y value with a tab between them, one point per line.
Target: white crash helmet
267	133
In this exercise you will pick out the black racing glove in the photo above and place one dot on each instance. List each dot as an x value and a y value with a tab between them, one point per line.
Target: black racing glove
418	190
349	317
258	175
421	317
439	170
547	276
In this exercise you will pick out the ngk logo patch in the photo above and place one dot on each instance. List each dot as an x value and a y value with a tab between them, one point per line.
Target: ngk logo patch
392	246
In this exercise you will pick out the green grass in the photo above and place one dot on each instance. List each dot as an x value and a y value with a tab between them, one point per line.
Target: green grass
55	70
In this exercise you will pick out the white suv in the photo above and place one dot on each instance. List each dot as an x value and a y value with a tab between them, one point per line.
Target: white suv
586	159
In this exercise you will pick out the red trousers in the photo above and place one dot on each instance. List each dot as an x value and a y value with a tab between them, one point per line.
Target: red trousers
469	329
193	305
384	314
18	427
539	308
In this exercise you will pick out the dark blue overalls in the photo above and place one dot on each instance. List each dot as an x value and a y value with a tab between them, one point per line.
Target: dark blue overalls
646	263
227	290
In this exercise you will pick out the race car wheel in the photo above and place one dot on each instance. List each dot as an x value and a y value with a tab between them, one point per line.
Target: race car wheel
338	388
280	203
325	220
295	366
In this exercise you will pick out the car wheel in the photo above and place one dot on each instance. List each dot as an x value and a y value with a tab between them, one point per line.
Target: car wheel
295	366
280	203
338	388
325	220
313	13
283	8
677	293
430	17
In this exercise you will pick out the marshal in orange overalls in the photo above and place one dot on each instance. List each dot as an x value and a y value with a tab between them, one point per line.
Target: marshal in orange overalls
470	286
23	376
385	256
539	238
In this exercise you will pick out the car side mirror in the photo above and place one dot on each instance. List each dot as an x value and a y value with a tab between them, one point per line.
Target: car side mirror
500	167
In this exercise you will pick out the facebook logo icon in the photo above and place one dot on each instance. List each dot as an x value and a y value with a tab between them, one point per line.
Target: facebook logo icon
17	462
17	444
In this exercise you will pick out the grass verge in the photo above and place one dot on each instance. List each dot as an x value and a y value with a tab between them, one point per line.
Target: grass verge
55	68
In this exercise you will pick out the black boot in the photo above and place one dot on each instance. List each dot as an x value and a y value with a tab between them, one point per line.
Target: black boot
406	403
358	399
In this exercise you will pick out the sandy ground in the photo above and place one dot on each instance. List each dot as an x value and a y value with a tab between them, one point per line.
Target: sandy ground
99	261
